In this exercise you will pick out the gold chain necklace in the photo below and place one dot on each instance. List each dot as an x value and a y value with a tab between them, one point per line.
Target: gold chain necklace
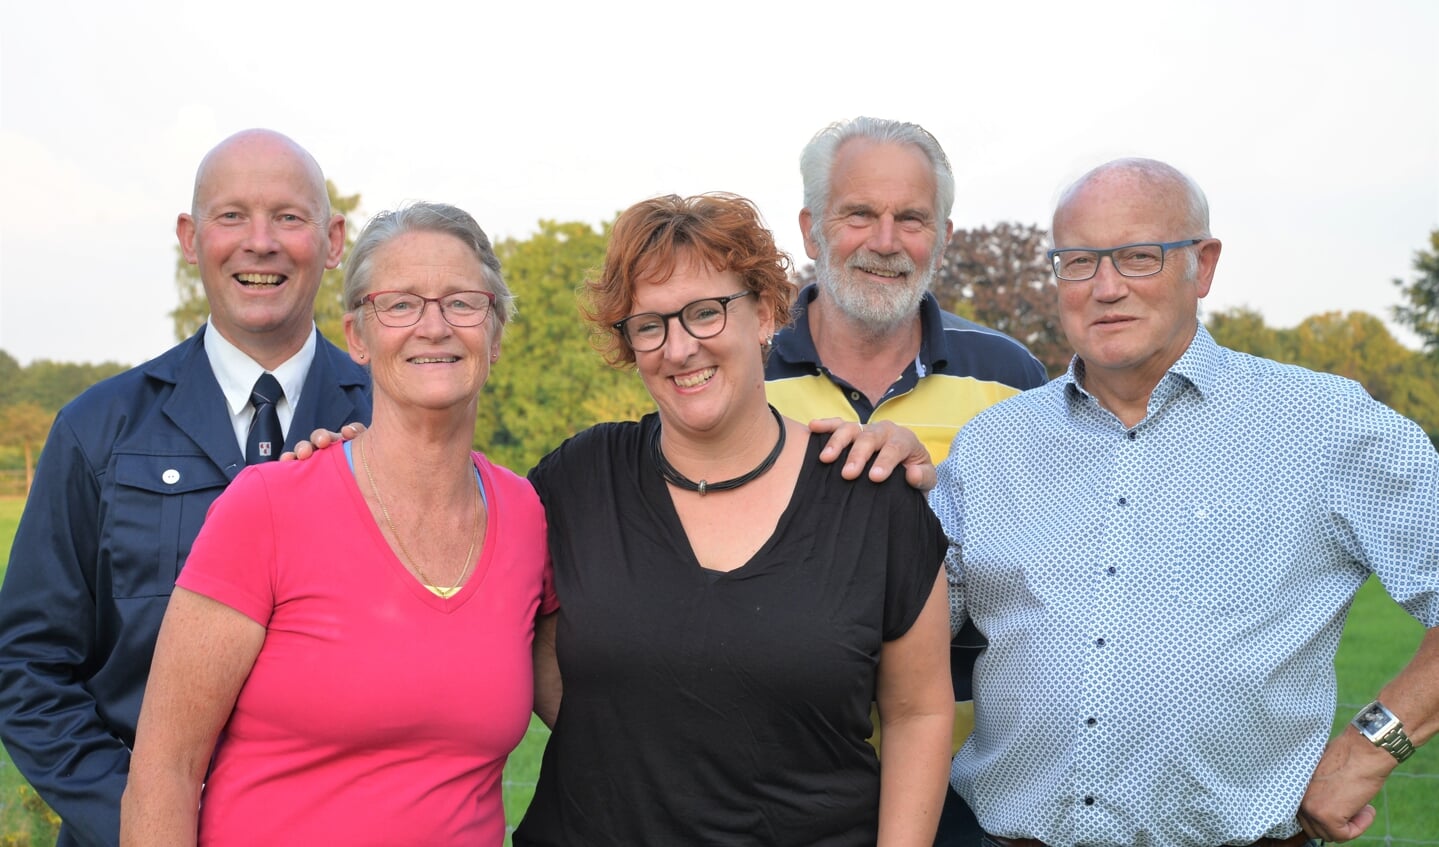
444	593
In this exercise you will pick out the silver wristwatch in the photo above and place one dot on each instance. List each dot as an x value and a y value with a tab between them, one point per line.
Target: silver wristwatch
1385	731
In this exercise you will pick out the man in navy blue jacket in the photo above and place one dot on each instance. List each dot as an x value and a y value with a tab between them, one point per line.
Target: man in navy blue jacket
132	465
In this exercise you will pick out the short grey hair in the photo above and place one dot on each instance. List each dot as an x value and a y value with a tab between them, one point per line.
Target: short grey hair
816	163
425	217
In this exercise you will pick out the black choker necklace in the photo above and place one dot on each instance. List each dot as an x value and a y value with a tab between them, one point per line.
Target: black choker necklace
679	480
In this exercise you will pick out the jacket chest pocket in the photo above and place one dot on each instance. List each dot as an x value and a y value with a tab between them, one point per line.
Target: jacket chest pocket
157	506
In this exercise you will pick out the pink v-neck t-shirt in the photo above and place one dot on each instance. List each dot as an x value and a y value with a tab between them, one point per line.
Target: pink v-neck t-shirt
376	711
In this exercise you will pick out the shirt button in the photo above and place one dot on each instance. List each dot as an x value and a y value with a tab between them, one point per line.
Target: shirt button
1091	721
1123	501
1088	800
1131	435
1111	570
854	395
1099	642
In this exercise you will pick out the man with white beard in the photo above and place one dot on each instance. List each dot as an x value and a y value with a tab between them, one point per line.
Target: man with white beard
870	342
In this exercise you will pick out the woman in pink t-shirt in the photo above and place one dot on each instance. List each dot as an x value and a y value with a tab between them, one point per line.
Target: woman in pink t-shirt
347	655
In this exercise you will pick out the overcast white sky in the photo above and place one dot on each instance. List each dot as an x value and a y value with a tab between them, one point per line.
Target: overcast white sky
1313	126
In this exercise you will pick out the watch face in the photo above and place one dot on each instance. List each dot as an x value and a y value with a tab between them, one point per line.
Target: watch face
1384	729
1372	719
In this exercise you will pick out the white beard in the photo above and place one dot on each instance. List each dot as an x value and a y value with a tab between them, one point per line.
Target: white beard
881	308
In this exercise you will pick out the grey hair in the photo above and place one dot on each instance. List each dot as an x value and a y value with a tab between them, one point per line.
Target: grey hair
816	163
424	217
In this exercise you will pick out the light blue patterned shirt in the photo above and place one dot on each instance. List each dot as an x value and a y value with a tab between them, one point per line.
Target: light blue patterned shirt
1163	603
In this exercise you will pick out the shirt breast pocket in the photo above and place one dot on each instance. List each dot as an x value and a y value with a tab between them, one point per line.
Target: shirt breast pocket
157	507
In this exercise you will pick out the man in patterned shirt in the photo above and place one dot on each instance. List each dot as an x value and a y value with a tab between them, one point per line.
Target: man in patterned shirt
870	342
1161	547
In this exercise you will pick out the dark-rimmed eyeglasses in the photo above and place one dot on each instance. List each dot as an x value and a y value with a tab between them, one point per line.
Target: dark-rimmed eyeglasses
647	331
1077	264
405	308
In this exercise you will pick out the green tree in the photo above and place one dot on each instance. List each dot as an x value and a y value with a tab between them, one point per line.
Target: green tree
550	381
29	398
1420	309
1244	329
51	385
1416	393
1359	346
10	376
1356	345
193	308
24	425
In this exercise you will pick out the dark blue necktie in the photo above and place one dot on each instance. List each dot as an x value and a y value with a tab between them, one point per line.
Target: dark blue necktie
266	440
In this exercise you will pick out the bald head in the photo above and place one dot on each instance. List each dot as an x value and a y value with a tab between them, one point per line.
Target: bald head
259	143
261	234
1153	179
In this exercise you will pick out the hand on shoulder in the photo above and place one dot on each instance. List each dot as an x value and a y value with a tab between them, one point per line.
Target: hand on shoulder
890	444
319	440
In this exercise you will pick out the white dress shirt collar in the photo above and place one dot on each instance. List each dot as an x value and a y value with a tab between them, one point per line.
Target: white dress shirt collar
236	373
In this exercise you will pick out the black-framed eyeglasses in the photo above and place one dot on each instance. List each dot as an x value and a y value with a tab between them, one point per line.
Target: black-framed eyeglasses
405	308
705	318
1077	264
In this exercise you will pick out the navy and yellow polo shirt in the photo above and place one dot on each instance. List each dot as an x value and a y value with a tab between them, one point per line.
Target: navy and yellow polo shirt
962	368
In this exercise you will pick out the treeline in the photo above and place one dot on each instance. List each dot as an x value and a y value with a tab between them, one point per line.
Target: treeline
29	398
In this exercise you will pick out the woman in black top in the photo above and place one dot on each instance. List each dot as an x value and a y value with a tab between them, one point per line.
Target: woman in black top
730	607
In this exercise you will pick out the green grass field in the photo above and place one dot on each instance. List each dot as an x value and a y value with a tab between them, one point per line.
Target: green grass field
1379	639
